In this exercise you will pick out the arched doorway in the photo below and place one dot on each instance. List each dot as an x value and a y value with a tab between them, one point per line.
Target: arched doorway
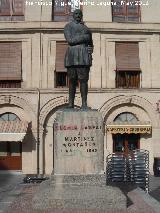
123	143
10	151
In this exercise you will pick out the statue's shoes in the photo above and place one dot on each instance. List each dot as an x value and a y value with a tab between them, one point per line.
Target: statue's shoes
85	108
70	106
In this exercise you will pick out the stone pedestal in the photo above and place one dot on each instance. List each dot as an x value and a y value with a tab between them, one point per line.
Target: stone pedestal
78	183
78	142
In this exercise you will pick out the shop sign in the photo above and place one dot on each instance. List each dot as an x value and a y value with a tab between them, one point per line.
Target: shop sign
129	130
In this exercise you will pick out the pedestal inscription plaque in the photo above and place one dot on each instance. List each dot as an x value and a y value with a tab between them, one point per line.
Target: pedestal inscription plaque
78	142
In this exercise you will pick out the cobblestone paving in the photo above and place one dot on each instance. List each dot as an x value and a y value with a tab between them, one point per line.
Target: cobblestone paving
23	204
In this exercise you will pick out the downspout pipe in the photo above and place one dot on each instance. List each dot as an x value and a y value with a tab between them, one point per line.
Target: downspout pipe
38	110
38	139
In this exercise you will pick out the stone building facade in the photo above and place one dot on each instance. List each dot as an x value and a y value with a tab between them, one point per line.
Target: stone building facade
131	111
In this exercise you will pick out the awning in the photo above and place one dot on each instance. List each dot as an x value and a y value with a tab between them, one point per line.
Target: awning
13	130
129	127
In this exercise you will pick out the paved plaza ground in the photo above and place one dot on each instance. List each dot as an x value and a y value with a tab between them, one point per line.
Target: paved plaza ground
16	197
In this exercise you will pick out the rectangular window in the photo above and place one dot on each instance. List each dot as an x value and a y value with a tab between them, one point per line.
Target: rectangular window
126	79
10	84
63	10
61	79
127	65
12	10
10	64
125	11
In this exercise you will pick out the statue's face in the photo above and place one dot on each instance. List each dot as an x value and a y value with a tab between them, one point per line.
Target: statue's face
77	15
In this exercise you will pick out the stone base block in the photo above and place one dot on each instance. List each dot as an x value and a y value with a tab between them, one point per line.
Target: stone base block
78	142
78	192
95	179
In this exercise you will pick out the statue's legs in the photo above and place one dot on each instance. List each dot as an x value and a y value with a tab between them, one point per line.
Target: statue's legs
72	75
72	92
76	73
84	92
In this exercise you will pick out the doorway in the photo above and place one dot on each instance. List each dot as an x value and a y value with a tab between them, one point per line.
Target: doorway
123	143
10	155
10	151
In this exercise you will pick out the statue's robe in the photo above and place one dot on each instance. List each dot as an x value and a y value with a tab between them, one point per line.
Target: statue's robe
79	37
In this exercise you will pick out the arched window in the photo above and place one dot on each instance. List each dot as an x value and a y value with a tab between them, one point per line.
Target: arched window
125	11
126	117
9	117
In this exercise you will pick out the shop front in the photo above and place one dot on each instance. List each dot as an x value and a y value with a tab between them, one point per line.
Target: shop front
126	132
12	133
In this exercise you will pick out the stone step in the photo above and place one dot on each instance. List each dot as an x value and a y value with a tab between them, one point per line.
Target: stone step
78	195
79	179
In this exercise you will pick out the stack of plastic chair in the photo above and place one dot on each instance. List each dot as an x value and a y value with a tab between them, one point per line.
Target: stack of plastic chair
108	168
129	172
138	161
116	168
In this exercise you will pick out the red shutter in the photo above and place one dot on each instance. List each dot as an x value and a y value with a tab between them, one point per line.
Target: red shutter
125	11
61	48
61	10
10	60
18	7
118	8
5	9
133	9
127	56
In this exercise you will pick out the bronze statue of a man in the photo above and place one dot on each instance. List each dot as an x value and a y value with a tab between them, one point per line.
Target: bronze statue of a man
78	58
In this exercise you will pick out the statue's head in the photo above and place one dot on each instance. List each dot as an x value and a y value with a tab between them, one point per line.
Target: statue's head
77	15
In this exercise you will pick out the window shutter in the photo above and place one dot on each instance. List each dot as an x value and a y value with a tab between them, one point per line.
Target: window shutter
10	60
5	7
118	8
18	7
61	48
61	11
127	56
125	11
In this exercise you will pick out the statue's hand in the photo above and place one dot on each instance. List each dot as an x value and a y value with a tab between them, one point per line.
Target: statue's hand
90	49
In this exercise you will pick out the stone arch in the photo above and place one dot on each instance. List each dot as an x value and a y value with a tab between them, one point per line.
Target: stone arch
54	104
14	101
47	116
132	100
